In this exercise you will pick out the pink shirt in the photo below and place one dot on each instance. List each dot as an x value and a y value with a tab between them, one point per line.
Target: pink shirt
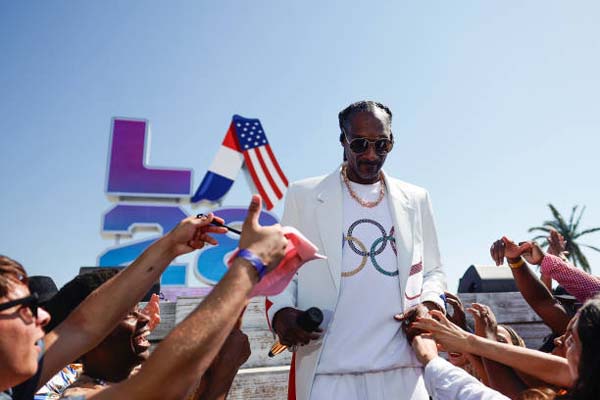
576	281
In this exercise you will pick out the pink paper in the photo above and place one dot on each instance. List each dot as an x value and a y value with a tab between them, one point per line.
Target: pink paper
299	251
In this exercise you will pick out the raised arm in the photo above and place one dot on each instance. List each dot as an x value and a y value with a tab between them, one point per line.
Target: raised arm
498	376
535	293
100	312
549	368
576	281
186	353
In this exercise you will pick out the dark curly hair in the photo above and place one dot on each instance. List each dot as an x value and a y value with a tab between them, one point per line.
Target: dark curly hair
588	330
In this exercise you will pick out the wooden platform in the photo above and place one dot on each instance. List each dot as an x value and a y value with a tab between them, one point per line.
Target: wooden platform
262	377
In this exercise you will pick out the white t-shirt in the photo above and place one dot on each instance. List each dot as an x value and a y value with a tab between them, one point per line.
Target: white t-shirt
363	335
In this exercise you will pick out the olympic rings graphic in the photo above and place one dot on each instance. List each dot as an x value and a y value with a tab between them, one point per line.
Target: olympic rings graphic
377	248
374	261
362	264
368	221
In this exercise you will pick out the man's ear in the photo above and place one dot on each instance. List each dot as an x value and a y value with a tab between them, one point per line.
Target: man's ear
392	137
341	138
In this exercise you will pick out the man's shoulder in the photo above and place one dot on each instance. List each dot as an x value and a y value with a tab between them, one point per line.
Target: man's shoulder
409	189
307	184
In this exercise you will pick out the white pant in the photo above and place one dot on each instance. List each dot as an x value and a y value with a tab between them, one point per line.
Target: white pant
396	384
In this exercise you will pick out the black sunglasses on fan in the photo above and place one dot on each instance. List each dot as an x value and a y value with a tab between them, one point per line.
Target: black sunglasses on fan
382	146
30	301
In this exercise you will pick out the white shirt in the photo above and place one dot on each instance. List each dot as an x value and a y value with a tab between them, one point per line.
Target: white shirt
444	381
363	335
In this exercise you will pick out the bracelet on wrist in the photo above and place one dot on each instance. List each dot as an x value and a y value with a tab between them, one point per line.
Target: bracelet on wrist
254	260
517	264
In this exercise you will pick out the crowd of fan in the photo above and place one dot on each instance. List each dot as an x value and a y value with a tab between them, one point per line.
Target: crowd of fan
491	361
95	346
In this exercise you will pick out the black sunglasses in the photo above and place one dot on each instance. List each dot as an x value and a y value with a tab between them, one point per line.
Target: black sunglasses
31	301
360	145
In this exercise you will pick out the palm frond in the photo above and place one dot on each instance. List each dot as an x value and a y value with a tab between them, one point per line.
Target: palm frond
581	258
585	232
590	247
539	228
559	218
572	217
578	219
556	225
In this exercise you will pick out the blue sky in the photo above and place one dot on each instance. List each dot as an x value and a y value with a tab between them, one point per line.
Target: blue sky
495	106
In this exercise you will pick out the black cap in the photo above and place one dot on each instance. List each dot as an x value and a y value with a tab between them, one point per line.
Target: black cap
44	286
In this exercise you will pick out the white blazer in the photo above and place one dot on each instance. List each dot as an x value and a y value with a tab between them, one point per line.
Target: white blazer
314	206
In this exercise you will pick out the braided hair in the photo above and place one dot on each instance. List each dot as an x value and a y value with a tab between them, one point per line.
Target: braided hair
361	106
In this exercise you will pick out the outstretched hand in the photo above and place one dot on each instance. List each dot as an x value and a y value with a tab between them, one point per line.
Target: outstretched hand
557	245
192	233
408	317
458	312
505	247
485	321
267	242
446	334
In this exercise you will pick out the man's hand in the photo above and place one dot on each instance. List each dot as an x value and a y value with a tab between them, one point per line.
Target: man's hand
267	242
485	321
505	247
458	312
192	233
289	332
411	315
425	349
446	334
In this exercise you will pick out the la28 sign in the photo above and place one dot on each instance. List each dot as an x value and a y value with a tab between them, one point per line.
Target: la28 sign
149	198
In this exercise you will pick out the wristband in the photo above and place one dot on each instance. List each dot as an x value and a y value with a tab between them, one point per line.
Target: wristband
254	260
516	265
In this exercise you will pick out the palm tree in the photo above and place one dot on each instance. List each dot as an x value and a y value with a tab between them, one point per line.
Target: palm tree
570	232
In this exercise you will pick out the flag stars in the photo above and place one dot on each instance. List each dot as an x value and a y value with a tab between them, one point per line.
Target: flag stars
243	135
238	124
264	141
256	143
260	131
247	123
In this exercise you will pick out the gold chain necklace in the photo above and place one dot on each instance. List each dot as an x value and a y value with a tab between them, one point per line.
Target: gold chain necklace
364	203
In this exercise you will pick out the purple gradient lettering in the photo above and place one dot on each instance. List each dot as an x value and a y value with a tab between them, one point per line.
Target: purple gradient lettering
124	218
128	174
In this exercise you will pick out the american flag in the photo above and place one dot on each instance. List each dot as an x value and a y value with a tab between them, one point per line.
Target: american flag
266	174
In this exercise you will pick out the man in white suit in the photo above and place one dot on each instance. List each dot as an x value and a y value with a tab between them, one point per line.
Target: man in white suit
382	257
